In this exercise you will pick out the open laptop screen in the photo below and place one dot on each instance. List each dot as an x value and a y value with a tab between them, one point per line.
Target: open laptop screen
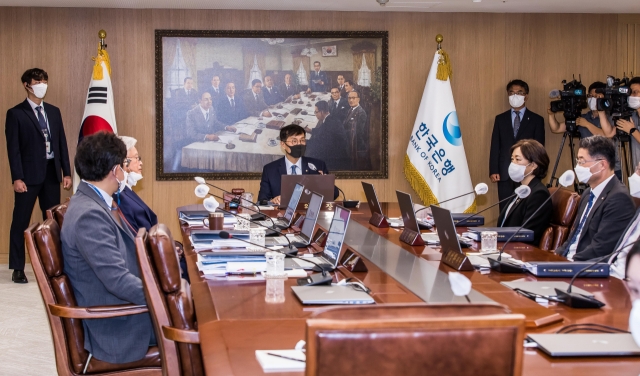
372	198
406	209
337	230
312	215
293	202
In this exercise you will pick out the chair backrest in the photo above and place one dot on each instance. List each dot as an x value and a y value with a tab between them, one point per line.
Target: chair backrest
408	340
169	299
57	212
565	206
45	251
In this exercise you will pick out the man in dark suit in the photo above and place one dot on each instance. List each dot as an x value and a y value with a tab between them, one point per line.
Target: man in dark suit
341	88
185	98
38	159
516	124
289	88
202	123
338	106
230	107
253	100
356	127
215	90
328	139
318	79
293	163
605	207
271	93
100	253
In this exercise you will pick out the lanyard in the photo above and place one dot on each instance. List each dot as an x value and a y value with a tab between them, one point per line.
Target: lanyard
100	195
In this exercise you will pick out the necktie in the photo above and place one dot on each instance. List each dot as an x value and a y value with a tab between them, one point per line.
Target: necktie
206	116
516	124
233	104
336	106
287	87
574	238
293	170
41	121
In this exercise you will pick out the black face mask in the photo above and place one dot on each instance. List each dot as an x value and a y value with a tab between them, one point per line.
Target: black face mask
297	151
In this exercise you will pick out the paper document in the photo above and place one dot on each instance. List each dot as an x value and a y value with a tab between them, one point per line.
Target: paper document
281	360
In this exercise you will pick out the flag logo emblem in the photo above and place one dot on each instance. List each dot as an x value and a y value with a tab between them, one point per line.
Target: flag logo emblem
451	129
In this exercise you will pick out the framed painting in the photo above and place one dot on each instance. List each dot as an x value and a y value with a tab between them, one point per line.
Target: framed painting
223	96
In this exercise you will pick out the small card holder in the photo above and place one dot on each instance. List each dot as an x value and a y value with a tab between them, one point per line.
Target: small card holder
297	222
458	261
411	237
378	220
353	262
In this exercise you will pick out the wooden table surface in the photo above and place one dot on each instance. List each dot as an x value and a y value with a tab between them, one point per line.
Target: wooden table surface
234	320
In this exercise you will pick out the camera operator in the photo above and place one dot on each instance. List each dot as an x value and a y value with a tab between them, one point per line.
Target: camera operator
593	122
631	127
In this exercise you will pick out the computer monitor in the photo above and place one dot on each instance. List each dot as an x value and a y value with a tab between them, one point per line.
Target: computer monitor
372	198
337	231
406	210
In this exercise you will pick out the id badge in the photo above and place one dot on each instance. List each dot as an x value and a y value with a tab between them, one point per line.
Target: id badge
48	146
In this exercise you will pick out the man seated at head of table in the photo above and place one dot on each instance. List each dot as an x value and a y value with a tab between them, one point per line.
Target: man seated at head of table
289	88
202	123
230	106
293	143
253	100
605	207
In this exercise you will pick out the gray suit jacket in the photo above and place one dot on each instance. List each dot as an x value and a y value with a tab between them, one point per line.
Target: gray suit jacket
198	127
100	260
251	105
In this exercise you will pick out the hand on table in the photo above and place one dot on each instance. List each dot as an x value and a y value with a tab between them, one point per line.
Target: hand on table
276	200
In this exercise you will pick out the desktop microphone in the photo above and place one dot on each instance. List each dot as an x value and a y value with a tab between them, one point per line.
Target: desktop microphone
347	203
498	265
522	191
480	189
258	217
575	300
202	191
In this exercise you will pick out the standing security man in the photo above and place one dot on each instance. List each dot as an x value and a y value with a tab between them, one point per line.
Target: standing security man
38	158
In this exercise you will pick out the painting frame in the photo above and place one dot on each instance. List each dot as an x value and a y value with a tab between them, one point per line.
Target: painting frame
377	94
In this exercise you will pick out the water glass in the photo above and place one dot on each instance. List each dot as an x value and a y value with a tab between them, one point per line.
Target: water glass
489	241
244	223
246	200
275	290
257	235
275	265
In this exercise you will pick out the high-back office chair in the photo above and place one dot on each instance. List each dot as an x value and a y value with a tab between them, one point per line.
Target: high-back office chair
170	302
565	206
57	212
65	317
451	339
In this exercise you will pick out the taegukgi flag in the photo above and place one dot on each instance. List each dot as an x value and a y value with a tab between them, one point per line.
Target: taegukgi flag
436	164
99	112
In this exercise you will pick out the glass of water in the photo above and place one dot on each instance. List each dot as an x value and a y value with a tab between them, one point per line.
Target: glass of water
275	290
246	200
257	236
244	223
275	265
489	242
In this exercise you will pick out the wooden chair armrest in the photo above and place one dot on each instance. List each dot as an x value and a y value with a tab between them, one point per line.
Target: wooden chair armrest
99	312
181	335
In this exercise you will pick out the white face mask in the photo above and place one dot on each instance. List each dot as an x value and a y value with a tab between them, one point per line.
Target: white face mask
516	172
634	102
123	183
584	173
634	321
593	104
39	90
516	100
634	185
133	178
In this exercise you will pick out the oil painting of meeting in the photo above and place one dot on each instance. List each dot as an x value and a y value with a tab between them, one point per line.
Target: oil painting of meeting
224	96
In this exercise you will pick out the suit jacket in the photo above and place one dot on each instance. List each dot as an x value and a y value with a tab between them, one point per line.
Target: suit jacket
314	83
531	127
619	263
522	209
605	224
26	144
228	115
198	126
100	260
137	213
342	110
355	124
343	92
328	142
273	97
272	176
181	97
252	106
215	96
292	90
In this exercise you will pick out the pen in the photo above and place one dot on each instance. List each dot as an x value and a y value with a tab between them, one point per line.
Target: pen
286	357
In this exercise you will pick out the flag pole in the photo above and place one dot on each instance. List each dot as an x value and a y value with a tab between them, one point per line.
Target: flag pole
102	35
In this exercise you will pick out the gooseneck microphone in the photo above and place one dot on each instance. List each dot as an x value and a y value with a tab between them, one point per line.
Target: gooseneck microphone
480	189
202	190
258	217
347	203
498	265
522	191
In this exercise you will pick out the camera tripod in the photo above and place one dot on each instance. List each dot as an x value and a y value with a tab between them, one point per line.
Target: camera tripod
570	135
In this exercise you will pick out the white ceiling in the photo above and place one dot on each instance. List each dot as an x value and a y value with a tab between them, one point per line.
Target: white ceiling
495	6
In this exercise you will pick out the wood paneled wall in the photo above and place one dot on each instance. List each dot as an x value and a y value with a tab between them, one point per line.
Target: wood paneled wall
487	50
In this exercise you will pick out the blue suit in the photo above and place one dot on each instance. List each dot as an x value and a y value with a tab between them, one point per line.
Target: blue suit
137	213
272	176
314	81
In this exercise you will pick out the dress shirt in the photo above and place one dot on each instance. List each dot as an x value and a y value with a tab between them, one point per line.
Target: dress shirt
619	262
298	165
513	115
506	214
46	119
231	99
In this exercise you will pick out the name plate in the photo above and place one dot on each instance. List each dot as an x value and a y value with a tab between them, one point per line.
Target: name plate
457	260
378	220
411	237
326	206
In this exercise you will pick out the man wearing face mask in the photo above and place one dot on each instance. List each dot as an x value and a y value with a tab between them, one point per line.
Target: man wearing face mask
632	126
591	123
605	206
100	253
518	123
293	143
38	159
529	164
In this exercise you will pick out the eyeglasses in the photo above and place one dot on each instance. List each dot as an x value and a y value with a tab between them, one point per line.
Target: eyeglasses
517	93
294	142
582	162
350	98
129	160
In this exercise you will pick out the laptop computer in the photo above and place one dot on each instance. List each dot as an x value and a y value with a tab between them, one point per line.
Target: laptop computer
374	204
586	344
448	237
322	184
331	295
306	232
331	253
294	199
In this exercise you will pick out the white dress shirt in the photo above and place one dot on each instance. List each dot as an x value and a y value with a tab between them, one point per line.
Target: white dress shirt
46	120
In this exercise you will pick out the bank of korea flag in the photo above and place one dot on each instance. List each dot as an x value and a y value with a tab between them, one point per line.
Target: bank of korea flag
436	164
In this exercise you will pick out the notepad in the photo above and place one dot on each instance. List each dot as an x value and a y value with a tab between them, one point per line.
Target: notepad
272	363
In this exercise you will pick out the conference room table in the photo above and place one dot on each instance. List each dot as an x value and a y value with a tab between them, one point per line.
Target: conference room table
234	320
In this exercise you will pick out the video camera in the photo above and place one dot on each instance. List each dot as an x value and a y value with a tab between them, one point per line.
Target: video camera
573	99
615	103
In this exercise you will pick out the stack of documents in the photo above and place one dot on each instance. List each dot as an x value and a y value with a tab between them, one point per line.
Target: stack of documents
195	218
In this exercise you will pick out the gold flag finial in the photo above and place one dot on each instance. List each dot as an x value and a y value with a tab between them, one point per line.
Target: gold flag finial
102	57
444	64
